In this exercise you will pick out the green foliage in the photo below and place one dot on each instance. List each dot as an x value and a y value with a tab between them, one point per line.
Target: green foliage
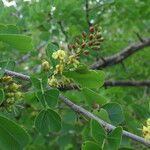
90	145
12	136
2	96
115	113
51	97
93	97
49	25
17	41
114	139
48	121
49	51
90	78
98	132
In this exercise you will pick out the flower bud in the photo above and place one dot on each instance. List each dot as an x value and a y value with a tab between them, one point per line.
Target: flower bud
98	36
91	37
86	52
45	66
101	39
18	95
90	43
83	34
92	29
83	45
95	105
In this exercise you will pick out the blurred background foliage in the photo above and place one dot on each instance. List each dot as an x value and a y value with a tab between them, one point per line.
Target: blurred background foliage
60	21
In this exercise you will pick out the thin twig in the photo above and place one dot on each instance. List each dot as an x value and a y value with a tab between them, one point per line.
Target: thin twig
106	125
87	13
63	31
28	55
120	56
145	83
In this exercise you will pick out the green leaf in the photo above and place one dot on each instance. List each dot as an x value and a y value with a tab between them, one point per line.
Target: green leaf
37	83
89	79
51	97
89	145
12	136
115	113
20	42
48	121
141	111
2	96
97	132
51	48
7	64
93	97
114	139
40	96
8	29
103	114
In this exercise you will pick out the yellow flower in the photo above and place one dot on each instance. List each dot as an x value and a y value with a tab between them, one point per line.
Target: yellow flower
148	122
73	60
18	95
7	79
45	65
53	81
146	132
14	86
59	69
60	54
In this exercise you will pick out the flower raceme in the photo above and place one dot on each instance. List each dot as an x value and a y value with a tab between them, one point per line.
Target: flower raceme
11	90
69	60
146	130
64	61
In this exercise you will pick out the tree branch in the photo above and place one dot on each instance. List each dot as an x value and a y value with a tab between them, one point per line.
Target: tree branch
86	113
106	125
17	75
87	13
63	30
120	56
72	86
28	55
127	83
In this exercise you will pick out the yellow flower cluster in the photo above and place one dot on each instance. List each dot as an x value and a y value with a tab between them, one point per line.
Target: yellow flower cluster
64	59
146	130
11	90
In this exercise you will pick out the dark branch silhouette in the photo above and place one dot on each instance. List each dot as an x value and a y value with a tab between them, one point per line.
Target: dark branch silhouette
120	56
